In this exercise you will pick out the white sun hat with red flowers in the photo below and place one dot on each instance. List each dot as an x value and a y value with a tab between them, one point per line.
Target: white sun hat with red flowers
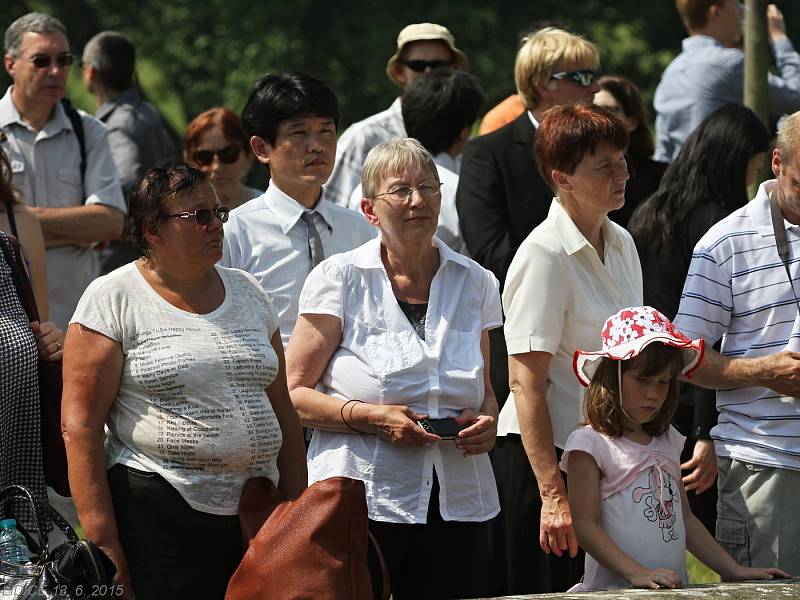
630	331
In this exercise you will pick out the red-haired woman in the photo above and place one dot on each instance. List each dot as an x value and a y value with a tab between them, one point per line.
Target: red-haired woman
217	145
570	273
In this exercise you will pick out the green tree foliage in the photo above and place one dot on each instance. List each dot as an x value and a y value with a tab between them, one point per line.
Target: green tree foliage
198	54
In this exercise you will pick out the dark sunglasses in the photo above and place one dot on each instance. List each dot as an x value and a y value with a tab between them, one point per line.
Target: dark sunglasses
43	61
583	78
420	65
203	216
227	155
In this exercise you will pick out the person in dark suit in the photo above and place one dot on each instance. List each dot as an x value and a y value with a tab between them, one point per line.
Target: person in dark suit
501	197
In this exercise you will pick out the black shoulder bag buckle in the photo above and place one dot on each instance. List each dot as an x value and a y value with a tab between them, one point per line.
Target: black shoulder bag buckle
781	242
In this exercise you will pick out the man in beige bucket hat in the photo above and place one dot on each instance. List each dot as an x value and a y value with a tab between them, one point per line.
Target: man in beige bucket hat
420	48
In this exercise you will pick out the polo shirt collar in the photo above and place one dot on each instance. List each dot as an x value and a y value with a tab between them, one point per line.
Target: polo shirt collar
571	237
368	256
693	42
287	210
760	212
9	115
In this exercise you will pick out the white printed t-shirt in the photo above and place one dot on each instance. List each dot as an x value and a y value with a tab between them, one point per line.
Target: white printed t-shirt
640	502
382	360
191	404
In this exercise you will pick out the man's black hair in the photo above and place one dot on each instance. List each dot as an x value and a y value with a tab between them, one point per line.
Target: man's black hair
439	104
276	98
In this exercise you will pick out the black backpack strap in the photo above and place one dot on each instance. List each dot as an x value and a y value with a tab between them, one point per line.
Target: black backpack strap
77	125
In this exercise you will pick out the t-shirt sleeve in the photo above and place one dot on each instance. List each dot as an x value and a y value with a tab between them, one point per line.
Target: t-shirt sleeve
582	440
491	309
323	291
99	309
677	441
707	299
535	299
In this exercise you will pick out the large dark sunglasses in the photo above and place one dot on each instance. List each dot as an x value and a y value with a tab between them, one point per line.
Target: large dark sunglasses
203	216
43	61
583	78
227	155
420	65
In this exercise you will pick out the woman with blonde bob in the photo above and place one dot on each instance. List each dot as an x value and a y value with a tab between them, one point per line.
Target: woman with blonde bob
388	362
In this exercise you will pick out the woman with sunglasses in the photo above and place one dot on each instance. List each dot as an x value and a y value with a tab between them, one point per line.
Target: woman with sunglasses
217	145
388	364
181	362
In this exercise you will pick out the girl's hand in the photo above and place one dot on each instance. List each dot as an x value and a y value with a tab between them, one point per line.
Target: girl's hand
655	579
743	573
479	435
49	340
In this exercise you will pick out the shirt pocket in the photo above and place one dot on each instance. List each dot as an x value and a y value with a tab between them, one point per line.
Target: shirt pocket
70	186
18	179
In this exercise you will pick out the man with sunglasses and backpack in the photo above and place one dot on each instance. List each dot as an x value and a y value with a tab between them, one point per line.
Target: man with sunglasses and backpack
420	48
60	158
137	134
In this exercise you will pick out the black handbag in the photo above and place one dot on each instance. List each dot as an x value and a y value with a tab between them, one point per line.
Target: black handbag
77	569
54	454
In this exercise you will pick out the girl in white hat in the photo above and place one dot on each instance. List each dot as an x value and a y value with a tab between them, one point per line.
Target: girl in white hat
629	508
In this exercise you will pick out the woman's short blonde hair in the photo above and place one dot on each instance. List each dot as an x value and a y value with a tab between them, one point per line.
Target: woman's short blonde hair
539	54
788	142
393	158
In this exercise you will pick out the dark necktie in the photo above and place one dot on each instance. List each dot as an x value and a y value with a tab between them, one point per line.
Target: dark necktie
315	252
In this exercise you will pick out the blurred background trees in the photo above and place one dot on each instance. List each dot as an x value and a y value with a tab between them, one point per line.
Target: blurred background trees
201	53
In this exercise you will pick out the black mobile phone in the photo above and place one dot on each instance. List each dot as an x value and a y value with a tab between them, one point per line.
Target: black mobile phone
447	429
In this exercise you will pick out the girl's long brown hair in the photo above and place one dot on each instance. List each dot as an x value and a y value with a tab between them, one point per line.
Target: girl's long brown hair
601	402
6	190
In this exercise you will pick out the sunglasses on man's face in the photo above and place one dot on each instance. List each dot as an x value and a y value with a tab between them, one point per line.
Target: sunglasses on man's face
43	61
203	216
227	155
583	78
421	65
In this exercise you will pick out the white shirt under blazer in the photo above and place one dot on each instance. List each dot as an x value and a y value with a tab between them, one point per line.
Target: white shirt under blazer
737	289
558	295
267	238
381	360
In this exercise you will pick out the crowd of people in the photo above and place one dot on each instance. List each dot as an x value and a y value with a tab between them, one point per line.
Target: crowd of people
558	354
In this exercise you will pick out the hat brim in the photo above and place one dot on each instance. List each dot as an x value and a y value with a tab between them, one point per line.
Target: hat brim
585	363
460	60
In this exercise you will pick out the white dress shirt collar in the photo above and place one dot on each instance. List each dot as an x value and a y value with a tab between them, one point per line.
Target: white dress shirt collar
288	210
368	256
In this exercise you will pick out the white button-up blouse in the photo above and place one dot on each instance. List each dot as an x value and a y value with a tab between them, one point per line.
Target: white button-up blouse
381	360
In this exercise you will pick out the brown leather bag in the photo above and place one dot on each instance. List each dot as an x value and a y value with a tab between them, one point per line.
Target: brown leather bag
314	547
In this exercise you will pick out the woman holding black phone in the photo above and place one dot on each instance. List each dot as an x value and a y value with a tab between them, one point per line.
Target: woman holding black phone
388	363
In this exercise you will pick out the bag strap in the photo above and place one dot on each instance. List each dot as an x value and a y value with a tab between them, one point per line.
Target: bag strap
386	592
77	125
19	276
12	221
781	242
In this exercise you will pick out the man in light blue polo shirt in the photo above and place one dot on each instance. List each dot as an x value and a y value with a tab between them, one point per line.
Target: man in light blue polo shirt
709	72
738	290
76	210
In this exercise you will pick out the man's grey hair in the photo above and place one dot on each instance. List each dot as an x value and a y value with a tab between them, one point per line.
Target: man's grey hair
113	56
394	158
33	22
788	142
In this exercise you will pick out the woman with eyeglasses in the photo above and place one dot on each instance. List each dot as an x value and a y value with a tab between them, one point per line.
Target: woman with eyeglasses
181	362
388	363
217	145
